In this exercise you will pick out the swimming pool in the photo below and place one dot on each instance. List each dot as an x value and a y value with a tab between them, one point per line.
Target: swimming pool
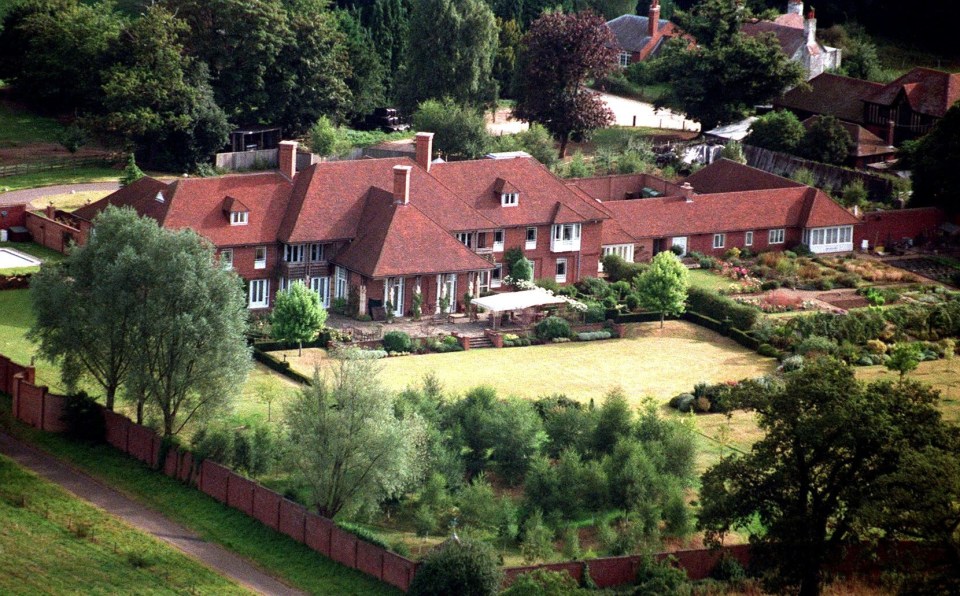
10	258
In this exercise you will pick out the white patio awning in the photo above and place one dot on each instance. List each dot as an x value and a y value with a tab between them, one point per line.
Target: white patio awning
509	301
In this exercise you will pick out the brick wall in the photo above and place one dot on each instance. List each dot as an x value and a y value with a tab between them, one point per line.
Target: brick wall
886	227
15	216
51	233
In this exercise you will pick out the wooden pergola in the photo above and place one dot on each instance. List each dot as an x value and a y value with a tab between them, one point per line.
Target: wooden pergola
525	302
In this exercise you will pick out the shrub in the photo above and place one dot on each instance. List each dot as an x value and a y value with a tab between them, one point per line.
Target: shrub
768	351
728	569
593	335
720	308
214	443
542	582
816	344
792	363
468	568
875	346
706	262
799	250
363	534
552	328
596	313
360	354
683	402
397	341
770	285
823	284
84	420
676	249
659	577
848	280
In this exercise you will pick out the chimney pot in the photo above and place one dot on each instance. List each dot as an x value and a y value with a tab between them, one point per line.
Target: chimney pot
424	147
653	18
288	158
401	185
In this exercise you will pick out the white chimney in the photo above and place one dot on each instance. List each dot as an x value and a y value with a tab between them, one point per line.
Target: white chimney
810	27
795	7
401	184
687	190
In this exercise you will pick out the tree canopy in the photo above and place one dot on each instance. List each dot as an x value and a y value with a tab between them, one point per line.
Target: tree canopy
561	53
779	130
459	131
933	159
815	481
826	140
663	286
297	315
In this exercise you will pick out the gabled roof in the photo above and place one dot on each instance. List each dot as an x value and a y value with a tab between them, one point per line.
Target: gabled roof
790	38
141	195
632	31
725	175
328	199
831	94
234	205
928	91
540	191
725	212
504	187
616	187
396	240
198	203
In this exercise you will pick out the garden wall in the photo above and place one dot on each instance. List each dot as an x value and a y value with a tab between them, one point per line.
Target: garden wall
884	228
12	215
36	406
879	188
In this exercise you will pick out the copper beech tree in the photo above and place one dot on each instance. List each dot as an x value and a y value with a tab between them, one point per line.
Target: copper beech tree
561	52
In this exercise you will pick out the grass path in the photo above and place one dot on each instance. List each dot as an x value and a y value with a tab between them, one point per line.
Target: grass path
52	542
649	362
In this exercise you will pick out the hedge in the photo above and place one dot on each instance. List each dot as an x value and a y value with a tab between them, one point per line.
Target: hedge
638	317
592	335
279	366
719	307
744	339
705	321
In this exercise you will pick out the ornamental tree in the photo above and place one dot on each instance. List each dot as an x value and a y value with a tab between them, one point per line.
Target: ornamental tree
561	53
297	315
826	141
819	478
663	287
779	130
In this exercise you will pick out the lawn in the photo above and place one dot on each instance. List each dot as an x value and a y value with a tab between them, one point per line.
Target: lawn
277	554
21	127
70	201
60	176
650	362
17	318
52	542
41	252
706	279
943	375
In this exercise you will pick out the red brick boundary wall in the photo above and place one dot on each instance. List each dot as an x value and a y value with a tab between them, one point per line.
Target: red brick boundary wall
885	227
36	406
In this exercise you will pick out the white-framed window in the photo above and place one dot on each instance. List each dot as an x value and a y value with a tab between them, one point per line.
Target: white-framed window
624	251
447	286
259	293
321	285
340	287
496	275
238	218
748	239
719	240
531	239
510	199
833	239
498	241
226	258
260	257
561	276
565	237
776	236
316	253
293	253
624	59
465	238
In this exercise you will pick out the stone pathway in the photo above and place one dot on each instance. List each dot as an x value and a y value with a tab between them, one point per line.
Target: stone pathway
139	516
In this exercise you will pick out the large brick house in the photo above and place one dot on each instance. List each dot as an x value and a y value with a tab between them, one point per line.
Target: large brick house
639	38
381	229
797	37
724	205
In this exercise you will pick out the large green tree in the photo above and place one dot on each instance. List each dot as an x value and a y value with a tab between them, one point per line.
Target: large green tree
722	84
158	98
86	308
663	286
366	80
933	159
826	140
816	481
450	52
297	315
562	52
388	24
779	130
459	130
347	443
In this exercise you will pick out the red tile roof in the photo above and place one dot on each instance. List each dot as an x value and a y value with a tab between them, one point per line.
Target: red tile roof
928	91
725	175
141	195
540	191
328	199
725	212
790	38
830	94
614	188
400	240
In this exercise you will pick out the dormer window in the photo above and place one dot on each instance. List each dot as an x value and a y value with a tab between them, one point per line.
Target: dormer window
510	199
238	213
238	218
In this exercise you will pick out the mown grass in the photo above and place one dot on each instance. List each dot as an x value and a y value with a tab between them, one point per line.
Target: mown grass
69	201
708	280
17	317
53	542
81	175
213	521
21	127
649	362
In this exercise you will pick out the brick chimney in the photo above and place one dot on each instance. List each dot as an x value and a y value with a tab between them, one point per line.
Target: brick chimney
653	18
686	189
288	158
795	7
424	145
50	211
401	184
891	126
810	27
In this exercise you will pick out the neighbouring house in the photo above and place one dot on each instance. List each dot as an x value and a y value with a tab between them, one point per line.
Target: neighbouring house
639	38
379	231
722	206
904	109
798	39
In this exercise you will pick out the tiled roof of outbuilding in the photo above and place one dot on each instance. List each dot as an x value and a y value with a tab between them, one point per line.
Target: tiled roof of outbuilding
725	175
929	91
830	94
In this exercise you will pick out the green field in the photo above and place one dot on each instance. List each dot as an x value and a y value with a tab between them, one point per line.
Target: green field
291	561
16	320
708	280
20	127
81	175
52	542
